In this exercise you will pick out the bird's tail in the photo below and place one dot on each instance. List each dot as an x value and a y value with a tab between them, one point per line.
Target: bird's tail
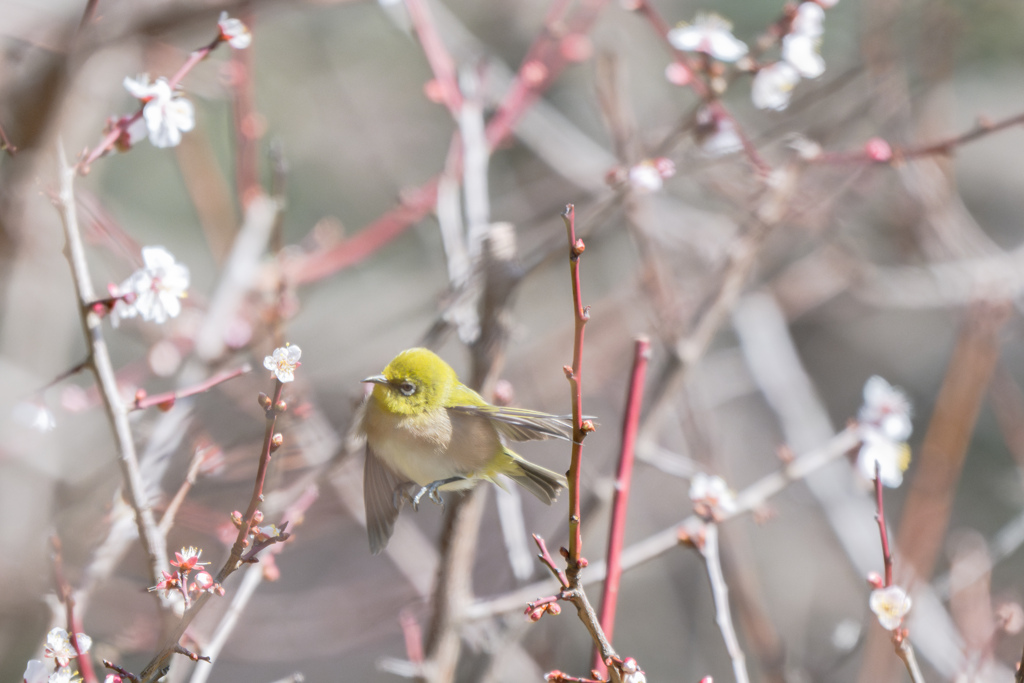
538	480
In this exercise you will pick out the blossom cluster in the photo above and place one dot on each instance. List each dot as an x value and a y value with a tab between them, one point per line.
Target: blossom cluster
711	496
884	426
153	292
165	111
60	648
773	85
182	580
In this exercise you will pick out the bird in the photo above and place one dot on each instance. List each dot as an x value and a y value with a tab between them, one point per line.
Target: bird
424	428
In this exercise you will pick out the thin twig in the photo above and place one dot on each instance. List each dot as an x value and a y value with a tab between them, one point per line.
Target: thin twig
574	374
720	593
905	651
168	398
940	147
883	532
167	521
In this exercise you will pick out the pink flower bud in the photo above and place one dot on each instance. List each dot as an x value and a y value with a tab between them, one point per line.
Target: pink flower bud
878	150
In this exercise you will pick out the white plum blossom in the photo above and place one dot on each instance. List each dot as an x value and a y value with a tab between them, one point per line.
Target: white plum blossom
884	425
801	52
35	672
716	135
773	86
234	32
886	409
893	458
283	362
644	177
711	34
649	175
64	675
58	645
890	605
154	291
34	416
712	491
166	113
808	20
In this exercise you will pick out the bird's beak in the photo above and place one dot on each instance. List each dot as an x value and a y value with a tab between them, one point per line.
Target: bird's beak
377	379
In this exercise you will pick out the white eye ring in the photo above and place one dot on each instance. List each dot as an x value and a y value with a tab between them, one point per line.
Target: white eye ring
407	388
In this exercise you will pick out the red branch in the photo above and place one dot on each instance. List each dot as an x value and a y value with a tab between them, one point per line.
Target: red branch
880	518
413	636
316	266
574	375
74	626
617	533
440	60
546	54
167	399
246	120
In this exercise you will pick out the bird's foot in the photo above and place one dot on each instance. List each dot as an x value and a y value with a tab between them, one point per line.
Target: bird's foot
402	495
430	490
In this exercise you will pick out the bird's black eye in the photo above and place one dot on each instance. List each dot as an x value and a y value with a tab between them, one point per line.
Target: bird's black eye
407	388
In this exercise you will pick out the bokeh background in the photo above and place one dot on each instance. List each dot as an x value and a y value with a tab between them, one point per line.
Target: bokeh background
911	270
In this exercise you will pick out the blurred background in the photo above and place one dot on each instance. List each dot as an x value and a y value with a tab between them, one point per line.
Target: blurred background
772	282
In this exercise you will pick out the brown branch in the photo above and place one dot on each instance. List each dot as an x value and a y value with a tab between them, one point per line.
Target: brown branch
153	542
939	148
274	407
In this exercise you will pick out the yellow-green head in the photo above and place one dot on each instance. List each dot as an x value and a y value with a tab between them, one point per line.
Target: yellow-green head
415	381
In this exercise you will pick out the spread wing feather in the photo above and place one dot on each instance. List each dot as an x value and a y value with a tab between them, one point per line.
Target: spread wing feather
382	505
521	425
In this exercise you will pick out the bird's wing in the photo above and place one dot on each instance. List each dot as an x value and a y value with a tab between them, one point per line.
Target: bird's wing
519	424
382	505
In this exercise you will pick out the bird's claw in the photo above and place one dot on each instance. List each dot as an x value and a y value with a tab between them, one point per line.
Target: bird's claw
430	490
